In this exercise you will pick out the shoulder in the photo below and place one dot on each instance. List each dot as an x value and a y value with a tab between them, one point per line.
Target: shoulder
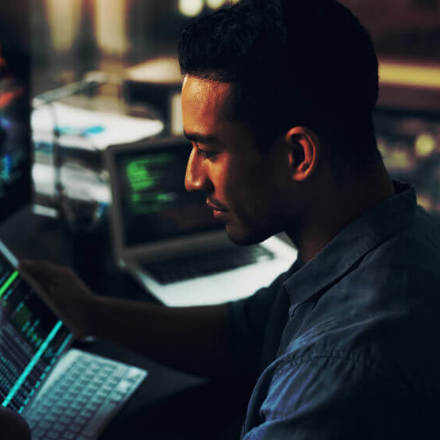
381	315
400	272
416	247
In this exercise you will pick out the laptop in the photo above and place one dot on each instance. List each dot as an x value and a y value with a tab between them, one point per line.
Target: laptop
168	239
62	392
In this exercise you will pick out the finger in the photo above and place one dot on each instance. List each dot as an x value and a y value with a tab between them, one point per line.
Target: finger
37	265
34	275
45	291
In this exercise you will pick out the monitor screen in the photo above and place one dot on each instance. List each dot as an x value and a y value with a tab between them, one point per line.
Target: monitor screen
15	145
153	200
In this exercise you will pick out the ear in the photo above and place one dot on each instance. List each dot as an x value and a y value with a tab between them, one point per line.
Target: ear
303	145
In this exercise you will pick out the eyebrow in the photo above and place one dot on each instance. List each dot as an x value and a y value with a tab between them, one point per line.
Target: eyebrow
202	138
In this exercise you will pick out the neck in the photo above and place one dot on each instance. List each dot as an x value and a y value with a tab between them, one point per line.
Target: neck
337	206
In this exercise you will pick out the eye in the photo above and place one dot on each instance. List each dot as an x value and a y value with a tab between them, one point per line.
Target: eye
206	154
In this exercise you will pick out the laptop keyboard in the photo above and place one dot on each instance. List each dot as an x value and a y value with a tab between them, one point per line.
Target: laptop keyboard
82	400
192	266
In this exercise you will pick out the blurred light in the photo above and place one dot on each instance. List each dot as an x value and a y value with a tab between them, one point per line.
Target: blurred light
190	8
425	201
160	70
214	4
63	18
425	145
176	114
409	74
381	146
110	26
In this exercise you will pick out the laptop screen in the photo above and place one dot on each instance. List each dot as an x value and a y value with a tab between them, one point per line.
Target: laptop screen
31	338
152	198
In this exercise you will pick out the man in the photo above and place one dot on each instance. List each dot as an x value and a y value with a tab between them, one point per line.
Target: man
277	100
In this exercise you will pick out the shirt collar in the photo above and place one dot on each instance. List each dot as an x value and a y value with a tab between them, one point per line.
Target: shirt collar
352	243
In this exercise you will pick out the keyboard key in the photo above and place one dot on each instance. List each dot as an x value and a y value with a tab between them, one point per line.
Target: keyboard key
133	374
44	424
52	435
93	405
124	387
38	433
81	420
50	418
75	427
87	413
73	412
67	419
104	413
57	411
58	427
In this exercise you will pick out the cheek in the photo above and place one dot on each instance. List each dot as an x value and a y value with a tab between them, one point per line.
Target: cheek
266	194
245	193
223	178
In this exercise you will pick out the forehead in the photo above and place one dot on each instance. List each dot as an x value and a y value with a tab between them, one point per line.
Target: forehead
204	102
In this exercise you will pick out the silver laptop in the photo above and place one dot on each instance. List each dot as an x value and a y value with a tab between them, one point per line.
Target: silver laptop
167	238
63	393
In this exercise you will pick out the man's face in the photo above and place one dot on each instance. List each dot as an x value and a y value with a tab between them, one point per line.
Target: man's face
244	187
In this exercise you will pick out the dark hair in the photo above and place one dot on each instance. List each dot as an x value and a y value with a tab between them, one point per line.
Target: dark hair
291	62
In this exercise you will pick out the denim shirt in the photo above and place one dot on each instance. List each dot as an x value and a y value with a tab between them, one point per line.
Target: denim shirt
346	346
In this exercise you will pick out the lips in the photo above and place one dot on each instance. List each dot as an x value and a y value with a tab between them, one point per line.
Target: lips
218	212
214	206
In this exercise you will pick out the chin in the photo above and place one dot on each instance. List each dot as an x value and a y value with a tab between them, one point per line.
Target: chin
243	237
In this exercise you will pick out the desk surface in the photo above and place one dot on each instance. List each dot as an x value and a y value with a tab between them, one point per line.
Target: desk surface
170	404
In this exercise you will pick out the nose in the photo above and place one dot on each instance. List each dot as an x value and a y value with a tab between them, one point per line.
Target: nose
196	178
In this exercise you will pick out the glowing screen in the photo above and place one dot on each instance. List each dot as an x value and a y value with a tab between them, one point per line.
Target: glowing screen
31	339
154	202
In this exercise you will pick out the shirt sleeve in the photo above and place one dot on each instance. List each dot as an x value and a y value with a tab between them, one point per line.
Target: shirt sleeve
246	323
334	398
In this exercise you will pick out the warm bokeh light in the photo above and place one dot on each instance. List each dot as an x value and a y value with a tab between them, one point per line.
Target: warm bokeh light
63	17
425	201
190	8
176	114
111	26
160	70
214	4
409	74
425	145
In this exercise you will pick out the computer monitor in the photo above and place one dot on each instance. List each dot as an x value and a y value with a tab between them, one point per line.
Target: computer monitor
148	183
15	144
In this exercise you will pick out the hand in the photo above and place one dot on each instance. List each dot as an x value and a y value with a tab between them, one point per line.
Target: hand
63	291
13	426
